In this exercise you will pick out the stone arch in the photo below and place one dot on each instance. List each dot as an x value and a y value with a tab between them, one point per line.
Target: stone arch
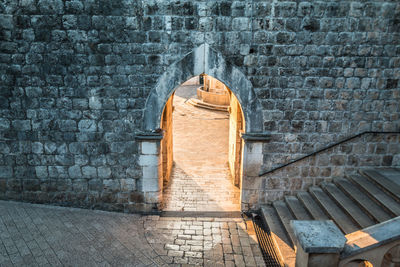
202	59
206	60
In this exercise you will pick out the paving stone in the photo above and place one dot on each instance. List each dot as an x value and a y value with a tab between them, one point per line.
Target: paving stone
171	247
175	253
193	254
60	236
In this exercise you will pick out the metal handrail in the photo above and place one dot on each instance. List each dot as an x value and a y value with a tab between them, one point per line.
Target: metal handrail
264	172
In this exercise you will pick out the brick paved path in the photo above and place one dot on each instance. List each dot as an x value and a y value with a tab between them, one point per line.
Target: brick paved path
200	178
40	235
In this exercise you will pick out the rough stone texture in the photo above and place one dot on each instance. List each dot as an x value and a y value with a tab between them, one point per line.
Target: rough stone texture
75	77
318	236
374	243
378	150
382	233
39	235
317	243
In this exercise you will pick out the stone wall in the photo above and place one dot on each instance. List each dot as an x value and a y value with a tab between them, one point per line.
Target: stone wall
75	76
368	150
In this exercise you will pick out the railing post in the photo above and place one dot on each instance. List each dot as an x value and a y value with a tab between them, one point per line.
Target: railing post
318	243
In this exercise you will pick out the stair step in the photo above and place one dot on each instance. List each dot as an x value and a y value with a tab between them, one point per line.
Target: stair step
285	216
369	206
381	197
392	174
377	177
338	216
300	213
200	104
279	236
313	208
362	219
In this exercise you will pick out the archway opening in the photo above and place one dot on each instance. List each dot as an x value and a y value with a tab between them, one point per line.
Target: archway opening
201	150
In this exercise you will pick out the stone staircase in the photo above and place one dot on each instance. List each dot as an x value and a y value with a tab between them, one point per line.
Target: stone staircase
201	104
353	203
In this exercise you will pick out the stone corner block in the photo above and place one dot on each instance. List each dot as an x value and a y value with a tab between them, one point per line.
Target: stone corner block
149	185
318	237
252	159
149	148
148	160
152	197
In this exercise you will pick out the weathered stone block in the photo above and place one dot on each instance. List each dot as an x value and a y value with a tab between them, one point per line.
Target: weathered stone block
149	185
87	126
76	148
98	160
128	184
148	160
58	172
318	242
205	24
75	172
6	21
51	6
149	148
241	24
95	185
41	172
31	185
3	186
4	124
353	83
136	197
50	147
73	7
80	103
21	125
6	172
94	103
111	185
104	172
152	197
79	185
64	159
67	125
4	148
89	172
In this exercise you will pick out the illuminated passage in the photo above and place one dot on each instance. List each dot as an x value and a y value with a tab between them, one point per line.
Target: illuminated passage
200	179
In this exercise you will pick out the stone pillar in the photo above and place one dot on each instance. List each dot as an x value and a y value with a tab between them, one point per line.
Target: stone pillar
150	183
252	161
318	243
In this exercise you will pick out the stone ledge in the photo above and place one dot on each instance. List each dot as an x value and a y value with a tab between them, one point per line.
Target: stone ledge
149	136
319	237
371	237
264	137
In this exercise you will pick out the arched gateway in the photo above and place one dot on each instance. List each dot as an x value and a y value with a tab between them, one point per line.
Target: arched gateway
202	60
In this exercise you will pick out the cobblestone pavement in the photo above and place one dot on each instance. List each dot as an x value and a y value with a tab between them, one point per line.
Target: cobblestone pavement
200	179
40	235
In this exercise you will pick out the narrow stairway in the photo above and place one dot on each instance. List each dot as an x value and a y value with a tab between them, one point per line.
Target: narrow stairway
353	203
